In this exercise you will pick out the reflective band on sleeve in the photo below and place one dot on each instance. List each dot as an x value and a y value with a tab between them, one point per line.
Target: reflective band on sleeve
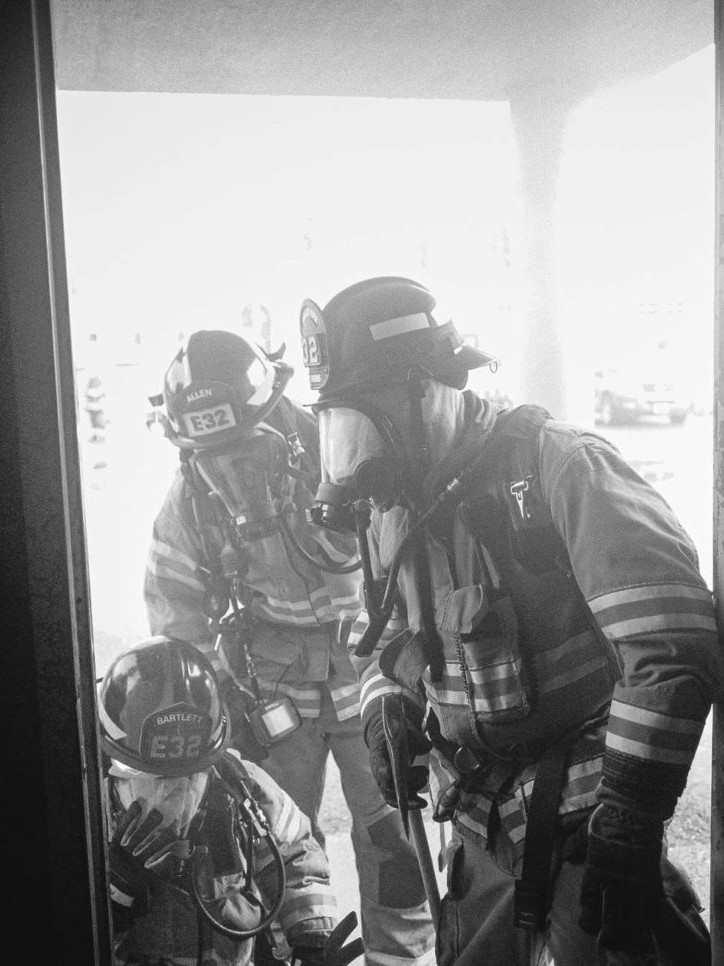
638	749
652	735
657	607
646	592
167	563
655	719
289	825
375	687
322	903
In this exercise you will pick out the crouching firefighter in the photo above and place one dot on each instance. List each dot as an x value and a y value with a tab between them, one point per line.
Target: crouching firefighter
538	613
237	568
206	852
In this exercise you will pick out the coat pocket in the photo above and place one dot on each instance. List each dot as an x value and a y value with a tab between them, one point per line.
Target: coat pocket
294	653
491	662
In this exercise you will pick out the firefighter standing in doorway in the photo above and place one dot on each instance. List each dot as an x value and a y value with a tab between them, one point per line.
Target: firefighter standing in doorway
537	612
236	568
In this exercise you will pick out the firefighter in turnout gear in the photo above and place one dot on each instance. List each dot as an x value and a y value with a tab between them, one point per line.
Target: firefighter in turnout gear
237	568
206	851
540	611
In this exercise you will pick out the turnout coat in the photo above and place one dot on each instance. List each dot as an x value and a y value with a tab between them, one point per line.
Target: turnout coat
297	609
569	607
169	928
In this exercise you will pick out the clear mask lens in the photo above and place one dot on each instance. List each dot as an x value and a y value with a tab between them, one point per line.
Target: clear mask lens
247	478
177	799
348	439
358	463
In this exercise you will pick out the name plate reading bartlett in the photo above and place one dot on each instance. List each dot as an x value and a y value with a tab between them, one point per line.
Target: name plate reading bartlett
179	733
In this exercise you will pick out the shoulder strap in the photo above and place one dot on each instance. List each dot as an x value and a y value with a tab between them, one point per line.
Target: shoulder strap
504	504
298	426
519	434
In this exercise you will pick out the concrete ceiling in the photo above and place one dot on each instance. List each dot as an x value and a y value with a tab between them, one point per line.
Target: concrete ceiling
464	49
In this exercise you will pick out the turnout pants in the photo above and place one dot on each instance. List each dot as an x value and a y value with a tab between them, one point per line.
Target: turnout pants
476	919
396	925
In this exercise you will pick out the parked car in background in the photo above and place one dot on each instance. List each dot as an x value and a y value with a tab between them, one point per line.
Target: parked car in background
625	394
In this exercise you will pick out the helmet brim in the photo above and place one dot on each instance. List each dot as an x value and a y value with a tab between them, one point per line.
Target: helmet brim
167	768
452	370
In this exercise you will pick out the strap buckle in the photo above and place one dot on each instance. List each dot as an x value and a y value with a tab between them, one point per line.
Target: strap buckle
518	490
530	906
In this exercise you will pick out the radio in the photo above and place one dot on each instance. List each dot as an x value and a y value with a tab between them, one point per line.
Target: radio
273	720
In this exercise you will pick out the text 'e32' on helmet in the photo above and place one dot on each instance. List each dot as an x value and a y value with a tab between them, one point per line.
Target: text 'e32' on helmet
375	332
218	387
160	710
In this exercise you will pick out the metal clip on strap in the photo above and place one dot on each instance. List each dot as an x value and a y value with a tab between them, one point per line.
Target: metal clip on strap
518	490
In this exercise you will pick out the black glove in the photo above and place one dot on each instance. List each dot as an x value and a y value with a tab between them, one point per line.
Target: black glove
335	951
239	704
417	744
622	893
140	850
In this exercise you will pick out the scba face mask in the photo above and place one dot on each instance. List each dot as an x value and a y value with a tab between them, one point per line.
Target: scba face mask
366	456
177	799
251	478
362	458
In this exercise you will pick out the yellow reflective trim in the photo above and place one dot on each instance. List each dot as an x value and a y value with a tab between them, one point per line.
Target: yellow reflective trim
495	672
345	691
161	570
648	592
639	749
160	550
654	719
660	622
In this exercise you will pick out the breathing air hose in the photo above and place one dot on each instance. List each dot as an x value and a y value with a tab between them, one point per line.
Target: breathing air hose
267	918
251	814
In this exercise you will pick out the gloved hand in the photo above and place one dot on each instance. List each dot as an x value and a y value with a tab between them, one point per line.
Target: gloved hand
334	952
139	850
417	744
622	892
243	739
